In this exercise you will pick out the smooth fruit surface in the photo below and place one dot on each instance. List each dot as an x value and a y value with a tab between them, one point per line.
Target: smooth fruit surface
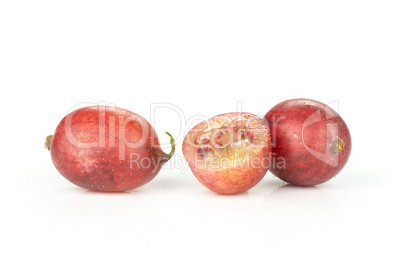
106	149
229	153
310	141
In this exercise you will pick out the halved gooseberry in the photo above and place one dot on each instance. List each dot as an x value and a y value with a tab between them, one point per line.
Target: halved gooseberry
229	153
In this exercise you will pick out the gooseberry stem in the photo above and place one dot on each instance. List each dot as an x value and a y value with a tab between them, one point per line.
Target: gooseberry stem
172	143
48	142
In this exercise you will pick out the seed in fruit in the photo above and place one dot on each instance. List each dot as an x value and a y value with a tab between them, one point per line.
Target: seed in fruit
229	153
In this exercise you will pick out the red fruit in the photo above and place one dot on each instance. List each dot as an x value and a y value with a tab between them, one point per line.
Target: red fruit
236	156
310	142
106	149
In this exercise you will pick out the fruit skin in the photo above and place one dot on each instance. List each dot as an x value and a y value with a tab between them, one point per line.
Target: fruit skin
105	164
235	181
305	136
230	180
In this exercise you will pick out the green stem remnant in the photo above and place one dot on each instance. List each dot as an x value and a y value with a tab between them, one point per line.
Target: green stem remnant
172	143
48	142
337	145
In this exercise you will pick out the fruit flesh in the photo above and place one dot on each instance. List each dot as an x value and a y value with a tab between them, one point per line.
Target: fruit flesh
310	138
108	149
229	153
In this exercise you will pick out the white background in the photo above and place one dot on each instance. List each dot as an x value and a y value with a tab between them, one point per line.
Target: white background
203	57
